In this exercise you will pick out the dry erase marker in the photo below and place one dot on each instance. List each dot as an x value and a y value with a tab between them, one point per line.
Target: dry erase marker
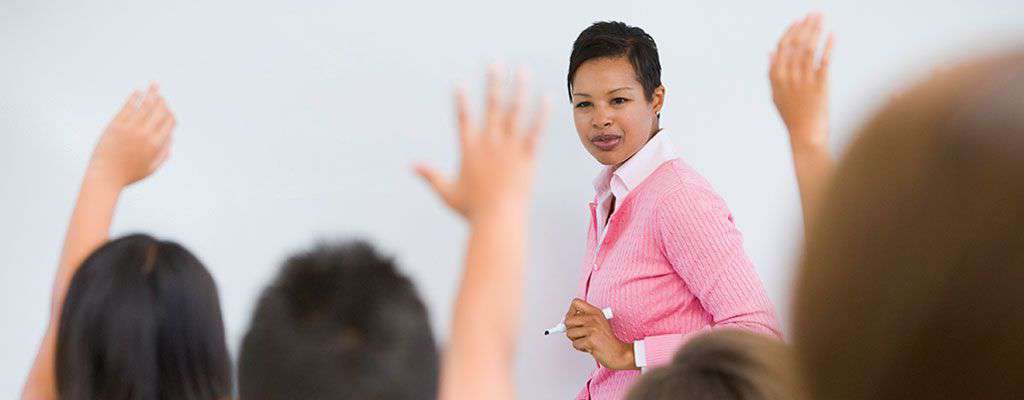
561	326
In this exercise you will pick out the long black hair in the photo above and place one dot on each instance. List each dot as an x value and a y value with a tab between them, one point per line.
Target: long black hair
142	320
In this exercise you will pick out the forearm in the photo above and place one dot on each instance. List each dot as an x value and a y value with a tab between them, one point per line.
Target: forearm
487	308
813	166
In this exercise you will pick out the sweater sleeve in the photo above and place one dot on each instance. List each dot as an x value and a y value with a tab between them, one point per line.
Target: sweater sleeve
704	247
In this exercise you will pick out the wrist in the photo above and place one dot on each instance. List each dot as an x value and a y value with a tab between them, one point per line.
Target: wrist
808	140
627	357
96	175
503	209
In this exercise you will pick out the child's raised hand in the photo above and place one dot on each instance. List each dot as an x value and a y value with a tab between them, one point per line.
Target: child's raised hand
137	141
497	164
800	84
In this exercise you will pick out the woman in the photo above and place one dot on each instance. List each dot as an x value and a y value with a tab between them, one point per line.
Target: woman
136	317
662	250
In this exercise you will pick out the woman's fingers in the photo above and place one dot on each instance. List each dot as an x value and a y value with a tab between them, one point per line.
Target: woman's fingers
578	333
585	308
576	321
583	345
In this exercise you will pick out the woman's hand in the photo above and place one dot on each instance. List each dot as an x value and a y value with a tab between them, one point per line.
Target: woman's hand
590	332
799	84
136	142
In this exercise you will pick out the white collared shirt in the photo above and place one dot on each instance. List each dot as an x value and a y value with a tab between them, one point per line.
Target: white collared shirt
618	182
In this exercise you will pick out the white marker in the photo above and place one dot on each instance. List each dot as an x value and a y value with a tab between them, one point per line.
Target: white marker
561	326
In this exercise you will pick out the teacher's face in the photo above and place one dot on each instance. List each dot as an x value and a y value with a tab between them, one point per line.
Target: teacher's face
613	117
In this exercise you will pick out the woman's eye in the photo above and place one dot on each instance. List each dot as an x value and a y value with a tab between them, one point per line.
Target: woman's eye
583	104
619	100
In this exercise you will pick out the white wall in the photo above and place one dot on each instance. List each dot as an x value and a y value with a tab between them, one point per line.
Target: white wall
298	121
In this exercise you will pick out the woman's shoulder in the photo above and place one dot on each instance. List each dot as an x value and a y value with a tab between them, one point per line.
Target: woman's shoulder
676	181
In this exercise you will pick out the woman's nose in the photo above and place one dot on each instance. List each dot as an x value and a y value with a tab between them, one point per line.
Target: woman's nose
602	119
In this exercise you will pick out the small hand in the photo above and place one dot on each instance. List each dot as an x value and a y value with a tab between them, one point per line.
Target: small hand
137	141
799	84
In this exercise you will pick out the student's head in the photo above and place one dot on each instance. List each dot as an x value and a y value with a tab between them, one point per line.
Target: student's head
911	282
141	320
724	365
339	322
615	88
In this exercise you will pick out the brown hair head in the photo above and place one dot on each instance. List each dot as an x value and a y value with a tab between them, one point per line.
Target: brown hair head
911	283
724	364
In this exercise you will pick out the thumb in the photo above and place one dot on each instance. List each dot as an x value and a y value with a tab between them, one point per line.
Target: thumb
436	180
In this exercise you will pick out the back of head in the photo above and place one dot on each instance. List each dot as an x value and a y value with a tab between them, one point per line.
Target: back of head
339	322
142	320
910	285
723	365
616	39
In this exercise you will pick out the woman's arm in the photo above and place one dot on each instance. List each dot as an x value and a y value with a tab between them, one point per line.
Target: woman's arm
133	145
704	247
800	93
491	192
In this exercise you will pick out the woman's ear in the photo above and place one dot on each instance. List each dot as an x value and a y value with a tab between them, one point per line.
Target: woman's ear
658	99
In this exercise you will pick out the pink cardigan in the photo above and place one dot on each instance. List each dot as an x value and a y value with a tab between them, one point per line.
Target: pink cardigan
671	266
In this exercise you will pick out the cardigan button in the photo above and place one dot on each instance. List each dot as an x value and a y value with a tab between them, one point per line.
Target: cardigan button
595	266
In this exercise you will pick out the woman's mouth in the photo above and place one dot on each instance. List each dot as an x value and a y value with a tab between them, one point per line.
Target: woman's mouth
606	142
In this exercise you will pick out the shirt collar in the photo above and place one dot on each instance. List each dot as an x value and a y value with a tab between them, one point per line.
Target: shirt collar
637	168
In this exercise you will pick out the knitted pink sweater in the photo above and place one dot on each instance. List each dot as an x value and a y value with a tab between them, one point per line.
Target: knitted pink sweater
671	266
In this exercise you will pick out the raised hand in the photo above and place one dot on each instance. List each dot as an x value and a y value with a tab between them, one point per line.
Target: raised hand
498	154
800	82
137	140
800	92
134	144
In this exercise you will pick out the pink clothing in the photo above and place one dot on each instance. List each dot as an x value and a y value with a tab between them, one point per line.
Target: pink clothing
671	265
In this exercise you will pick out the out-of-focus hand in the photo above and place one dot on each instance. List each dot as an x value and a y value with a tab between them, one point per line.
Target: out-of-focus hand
137	140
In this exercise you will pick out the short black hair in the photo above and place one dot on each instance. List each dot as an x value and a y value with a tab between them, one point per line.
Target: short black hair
142	320
339	322
616	39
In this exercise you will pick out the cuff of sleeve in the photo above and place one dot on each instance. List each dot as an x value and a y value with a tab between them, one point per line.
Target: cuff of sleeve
659	350
640	354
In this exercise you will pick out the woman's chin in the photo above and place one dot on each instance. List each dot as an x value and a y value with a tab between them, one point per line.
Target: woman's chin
607	158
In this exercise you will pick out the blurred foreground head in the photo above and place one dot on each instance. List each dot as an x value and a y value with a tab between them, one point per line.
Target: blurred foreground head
727	364
912	284
142	320
339	322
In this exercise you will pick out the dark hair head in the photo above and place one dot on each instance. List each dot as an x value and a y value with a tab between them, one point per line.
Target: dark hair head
339	322
616	39
910	283
142	320
722	365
